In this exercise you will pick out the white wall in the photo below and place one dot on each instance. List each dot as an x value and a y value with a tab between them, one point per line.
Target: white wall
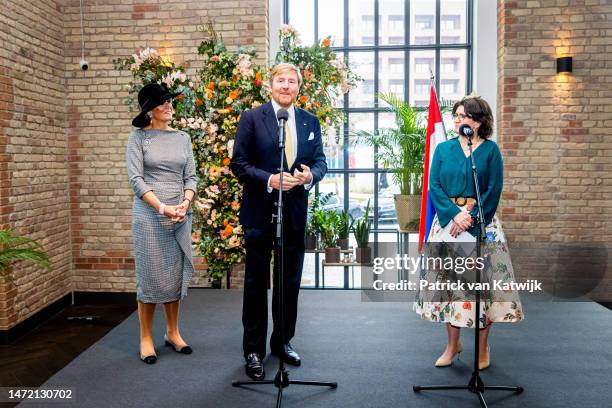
275	19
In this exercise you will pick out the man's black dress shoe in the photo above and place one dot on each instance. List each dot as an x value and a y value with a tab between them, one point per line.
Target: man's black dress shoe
288	354
254	367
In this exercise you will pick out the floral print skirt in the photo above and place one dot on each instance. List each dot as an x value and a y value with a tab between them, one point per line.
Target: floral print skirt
457	308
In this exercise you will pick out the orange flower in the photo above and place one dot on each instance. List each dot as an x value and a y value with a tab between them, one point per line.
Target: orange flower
467	305
199	102
258	76
226	161
180	98
233	94
303	98
317	104
228	230
209	94
326	42
211	85
225	222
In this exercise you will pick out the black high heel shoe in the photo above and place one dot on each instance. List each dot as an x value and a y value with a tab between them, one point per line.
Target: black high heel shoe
182	350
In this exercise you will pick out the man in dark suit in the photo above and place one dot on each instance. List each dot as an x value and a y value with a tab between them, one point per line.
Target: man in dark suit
255	162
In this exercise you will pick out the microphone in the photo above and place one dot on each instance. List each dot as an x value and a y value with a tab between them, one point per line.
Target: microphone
282	115
466	130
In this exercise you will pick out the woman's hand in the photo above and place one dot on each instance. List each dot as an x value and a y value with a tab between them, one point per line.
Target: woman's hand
174	213
461	222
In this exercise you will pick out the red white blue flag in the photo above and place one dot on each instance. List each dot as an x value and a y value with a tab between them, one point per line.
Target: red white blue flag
435	136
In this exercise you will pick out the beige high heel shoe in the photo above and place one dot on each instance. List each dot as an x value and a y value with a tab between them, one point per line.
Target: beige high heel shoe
440	362
484	364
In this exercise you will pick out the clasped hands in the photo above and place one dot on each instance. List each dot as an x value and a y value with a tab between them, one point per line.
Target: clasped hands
298	178
461	222
177	212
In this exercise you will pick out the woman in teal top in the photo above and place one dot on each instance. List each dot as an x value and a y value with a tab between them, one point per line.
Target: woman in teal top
452	190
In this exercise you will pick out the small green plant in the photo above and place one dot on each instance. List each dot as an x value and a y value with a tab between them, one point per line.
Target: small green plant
328	220
312	225
345	225
362	229
14	248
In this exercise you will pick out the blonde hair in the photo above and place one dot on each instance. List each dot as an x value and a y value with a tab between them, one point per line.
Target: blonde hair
282	68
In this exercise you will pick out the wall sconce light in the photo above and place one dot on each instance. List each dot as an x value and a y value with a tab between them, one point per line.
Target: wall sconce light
564	65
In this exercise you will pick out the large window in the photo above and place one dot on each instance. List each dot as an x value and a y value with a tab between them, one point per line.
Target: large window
395	46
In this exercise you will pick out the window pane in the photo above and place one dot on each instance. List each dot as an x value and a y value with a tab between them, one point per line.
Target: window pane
387	188
362	63
422	22
331	21
391	28
361	23
453	74
422	65
453	21
391	73
333	153
386	120
361	155
301	16
361	189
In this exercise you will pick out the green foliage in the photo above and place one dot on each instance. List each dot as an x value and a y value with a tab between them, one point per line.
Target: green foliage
345	224
401	148
14	248
362	229
312	226
328	221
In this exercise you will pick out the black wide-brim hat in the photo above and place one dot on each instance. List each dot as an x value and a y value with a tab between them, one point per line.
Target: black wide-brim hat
150	97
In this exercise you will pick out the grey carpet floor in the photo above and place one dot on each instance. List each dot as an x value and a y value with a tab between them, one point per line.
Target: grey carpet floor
376	352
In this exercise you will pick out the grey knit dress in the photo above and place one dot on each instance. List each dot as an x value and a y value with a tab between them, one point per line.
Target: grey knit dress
161	161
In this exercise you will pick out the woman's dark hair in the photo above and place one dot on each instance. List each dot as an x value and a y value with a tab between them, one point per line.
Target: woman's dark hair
478	110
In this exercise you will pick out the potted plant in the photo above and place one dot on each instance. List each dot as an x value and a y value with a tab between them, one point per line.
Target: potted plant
313	228
363	253
14	248
402	149
345	226
328	220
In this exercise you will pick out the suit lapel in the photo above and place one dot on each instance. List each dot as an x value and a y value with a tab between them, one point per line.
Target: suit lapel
271	123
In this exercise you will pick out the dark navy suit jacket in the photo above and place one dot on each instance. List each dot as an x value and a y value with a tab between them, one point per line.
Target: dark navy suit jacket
256	157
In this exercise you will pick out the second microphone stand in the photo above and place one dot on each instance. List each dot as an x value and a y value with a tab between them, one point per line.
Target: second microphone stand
475	385
281	380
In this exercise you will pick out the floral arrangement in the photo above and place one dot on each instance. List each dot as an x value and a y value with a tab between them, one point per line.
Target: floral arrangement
326	78
209	110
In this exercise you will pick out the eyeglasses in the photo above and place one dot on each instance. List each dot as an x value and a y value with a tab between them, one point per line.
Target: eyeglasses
461	116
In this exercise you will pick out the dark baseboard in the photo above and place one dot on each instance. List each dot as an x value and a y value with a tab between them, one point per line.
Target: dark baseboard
80	298
606	304
12	334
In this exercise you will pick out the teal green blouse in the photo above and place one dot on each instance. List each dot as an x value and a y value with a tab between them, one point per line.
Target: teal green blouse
451	176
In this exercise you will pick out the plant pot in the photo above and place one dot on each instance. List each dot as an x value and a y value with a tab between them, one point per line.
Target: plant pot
363	255
344	243
408	209
332	255
310	242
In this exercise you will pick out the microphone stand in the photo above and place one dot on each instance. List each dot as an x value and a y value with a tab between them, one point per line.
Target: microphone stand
281	380
475	385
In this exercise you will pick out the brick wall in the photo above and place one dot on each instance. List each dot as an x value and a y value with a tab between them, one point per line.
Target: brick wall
63	130
554	132
33	151
99	121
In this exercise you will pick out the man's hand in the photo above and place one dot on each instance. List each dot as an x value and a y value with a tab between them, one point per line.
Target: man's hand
288	181
304	176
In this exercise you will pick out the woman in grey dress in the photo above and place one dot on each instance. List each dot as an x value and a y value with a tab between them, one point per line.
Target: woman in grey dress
161	172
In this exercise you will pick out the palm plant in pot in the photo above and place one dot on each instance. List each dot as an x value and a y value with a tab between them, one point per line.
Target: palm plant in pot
345	226
329	220
402	149
14	248
363	253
